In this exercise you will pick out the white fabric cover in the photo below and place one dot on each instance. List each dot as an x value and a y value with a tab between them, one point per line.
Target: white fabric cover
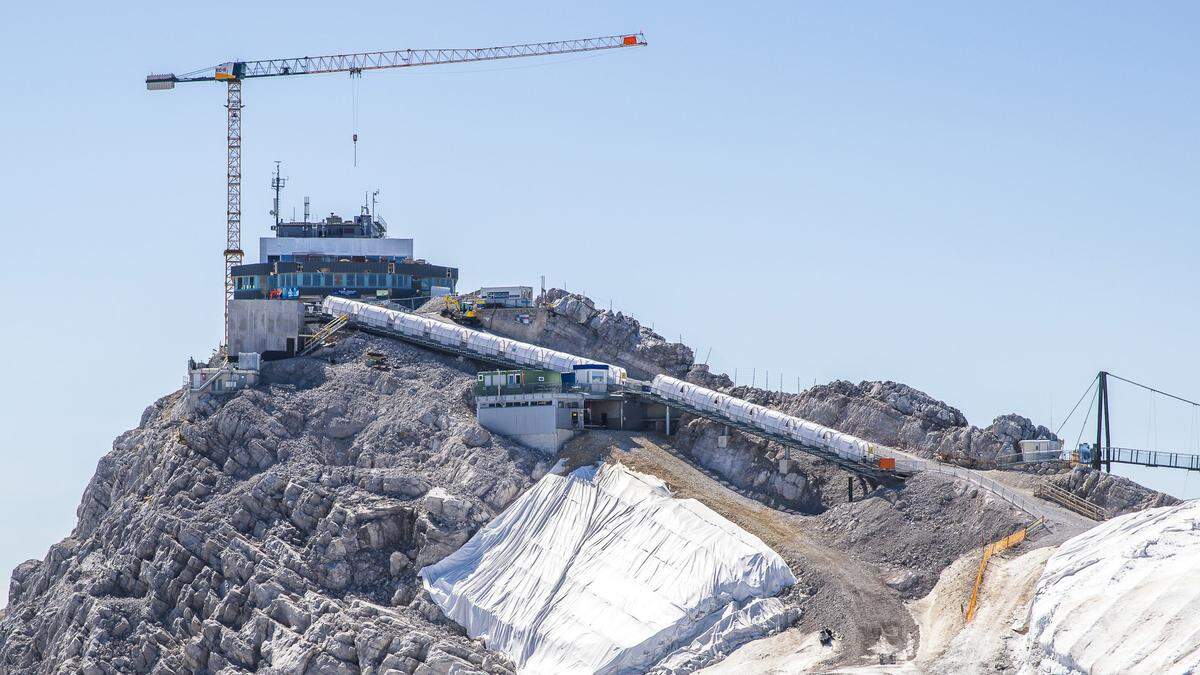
1123	597
603	571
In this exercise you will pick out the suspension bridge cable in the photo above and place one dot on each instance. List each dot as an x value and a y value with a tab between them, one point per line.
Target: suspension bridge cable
1085	394
1083	427
1163	393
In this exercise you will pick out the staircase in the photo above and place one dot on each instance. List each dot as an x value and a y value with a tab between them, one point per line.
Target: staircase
1067	500
327	331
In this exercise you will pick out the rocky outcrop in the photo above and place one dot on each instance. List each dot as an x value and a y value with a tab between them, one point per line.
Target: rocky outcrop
884	412
900	416
623	336
275	530
771	470
570	322
1115	494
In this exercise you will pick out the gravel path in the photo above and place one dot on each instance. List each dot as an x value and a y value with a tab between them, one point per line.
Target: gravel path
1062	523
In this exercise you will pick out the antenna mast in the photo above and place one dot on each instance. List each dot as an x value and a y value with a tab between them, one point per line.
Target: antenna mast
277	184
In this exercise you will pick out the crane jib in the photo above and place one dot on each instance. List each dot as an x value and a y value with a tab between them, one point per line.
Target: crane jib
403	58
233	72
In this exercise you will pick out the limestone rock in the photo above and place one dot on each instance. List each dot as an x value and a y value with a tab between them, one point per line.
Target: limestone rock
272	530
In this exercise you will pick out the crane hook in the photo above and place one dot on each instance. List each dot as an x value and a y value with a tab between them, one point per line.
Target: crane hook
355	76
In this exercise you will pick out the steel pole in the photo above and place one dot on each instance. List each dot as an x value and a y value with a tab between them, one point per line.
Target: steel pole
1099	421
1107	428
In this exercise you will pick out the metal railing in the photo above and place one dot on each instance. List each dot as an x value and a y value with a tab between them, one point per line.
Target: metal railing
595	388
513	389
1071	501
1175	460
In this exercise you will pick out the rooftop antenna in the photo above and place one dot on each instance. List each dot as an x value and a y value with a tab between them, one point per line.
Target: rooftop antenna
373	201
277	184
306	209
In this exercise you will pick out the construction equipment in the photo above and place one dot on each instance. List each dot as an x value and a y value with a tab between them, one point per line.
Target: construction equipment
232	73
463	309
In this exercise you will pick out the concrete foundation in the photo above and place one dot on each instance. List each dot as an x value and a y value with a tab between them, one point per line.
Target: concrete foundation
541	427
269	327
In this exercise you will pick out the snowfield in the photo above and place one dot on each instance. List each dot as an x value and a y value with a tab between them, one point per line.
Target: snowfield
1123	597
604	571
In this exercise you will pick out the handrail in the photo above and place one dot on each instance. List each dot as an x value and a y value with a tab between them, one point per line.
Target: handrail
1071	501
326	332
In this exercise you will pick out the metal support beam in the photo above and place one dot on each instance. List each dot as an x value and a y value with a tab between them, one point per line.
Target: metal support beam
1107	427
1099	423
1096	466
233	191
1103	429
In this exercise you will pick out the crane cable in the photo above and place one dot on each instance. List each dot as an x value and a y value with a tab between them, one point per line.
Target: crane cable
1083	427
355	80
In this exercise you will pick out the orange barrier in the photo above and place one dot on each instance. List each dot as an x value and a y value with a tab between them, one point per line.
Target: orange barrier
993	548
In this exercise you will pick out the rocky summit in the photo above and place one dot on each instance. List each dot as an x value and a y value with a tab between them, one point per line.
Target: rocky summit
278	530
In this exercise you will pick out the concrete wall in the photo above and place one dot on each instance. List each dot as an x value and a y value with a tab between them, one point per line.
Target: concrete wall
269	246
532	426
264	325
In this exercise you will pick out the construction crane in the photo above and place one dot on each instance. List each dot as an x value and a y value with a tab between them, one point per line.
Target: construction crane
232	73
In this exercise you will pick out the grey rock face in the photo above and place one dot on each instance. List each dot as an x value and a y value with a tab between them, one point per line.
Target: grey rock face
747	462
1115	494
571	323
897	415
884	412
278	530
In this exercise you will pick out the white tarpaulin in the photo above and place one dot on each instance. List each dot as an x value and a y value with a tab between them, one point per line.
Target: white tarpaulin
604	571
1123	597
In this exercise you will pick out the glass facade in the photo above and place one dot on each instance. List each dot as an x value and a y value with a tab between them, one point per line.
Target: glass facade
323	284
318	280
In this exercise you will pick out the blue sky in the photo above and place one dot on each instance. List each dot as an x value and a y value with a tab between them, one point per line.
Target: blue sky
989	204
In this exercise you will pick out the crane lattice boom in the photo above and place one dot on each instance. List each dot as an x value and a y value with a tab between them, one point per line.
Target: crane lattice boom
233	72
401	58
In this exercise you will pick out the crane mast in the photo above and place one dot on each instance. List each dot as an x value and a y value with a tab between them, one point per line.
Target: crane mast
232	73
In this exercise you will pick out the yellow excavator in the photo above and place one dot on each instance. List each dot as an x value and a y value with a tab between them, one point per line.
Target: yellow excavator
463	309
